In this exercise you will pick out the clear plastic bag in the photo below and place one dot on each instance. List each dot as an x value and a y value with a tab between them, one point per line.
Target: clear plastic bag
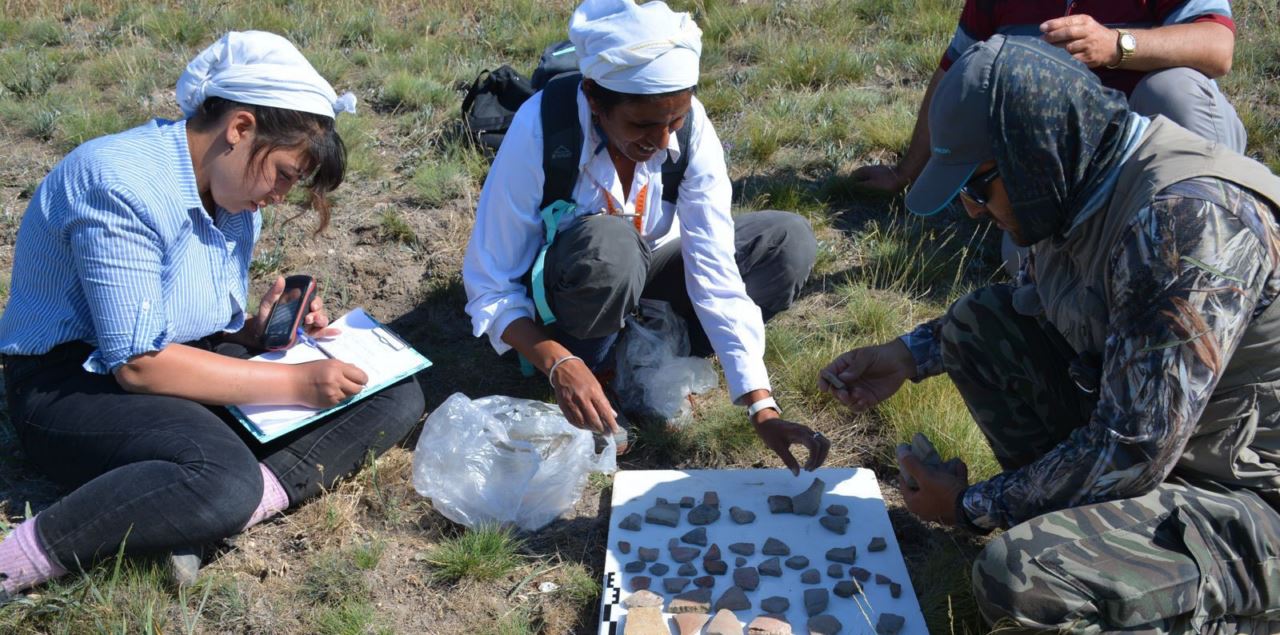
504	460
655	373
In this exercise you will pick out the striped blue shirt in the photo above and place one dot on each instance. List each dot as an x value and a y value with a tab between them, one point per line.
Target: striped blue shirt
116	250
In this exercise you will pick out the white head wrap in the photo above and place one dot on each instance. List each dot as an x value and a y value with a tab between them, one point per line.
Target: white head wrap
636	49
262	69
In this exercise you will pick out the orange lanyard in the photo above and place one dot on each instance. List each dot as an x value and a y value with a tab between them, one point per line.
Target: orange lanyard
637	218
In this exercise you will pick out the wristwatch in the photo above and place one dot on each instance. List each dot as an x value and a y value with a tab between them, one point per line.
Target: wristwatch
767	402
1126	44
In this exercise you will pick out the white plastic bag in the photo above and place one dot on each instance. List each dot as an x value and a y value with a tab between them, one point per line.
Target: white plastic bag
504	460
655	373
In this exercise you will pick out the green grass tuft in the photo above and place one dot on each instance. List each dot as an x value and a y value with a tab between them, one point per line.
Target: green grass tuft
119	595
43	33
816	64
517	622
393	227
346	618
579	585
889	125
366	556
404	90
83	122
909	256
83	9
935	408
37	119
717	436
332	578
188	26
29	72
485	553
437	182
789	194
360	136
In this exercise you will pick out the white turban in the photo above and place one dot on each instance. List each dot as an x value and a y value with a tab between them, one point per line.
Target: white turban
261	69
636	49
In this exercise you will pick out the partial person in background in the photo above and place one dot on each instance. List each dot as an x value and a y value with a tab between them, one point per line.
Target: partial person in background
554	276
1162	54
128	325
1128	383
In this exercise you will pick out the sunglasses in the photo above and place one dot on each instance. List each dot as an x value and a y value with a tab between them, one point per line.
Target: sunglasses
977	188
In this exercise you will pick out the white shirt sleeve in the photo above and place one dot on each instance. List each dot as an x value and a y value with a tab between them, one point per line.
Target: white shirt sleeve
508	230
731	320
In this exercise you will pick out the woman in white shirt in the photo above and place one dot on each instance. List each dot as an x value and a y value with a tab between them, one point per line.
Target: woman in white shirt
561	302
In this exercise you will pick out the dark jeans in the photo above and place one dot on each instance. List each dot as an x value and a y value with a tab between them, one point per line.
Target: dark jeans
598	269
161	473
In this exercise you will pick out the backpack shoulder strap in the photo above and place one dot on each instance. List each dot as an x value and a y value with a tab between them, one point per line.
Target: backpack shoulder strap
472	92
673	171
561	138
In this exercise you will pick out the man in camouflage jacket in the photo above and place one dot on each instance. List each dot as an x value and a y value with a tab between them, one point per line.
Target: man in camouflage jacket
1129	383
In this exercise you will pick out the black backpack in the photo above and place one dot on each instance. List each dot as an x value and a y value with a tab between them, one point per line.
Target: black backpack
562	144
494	97
557	59
491	104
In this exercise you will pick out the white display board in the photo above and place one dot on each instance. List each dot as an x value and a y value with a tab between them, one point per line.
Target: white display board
855	488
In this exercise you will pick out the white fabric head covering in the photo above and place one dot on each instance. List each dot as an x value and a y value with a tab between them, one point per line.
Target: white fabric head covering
636	49
262	69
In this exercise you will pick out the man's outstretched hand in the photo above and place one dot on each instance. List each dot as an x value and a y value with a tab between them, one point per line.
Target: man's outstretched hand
779	435
866	376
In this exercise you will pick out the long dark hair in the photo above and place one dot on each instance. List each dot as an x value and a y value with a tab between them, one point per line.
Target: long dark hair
281	128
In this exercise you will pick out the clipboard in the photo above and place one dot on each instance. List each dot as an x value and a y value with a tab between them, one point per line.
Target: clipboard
364	342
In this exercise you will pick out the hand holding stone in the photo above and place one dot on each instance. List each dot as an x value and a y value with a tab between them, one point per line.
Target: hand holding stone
869	375
935	498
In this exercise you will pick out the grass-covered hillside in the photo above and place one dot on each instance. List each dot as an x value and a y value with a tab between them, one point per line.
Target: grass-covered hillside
801	91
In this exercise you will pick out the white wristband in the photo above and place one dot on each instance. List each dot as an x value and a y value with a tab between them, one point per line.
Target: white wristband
551	374
767	402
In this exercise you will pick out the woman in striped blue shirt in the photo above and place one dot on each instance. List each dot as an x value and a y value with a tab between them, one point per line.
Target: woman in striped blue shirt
129	324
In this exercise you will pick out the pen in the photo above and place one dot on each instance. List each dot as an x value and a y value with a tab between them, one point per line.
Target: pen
311	341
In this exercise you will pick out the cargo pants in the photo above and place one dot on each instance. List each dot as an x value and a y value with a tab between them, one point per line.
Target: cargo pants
1184	558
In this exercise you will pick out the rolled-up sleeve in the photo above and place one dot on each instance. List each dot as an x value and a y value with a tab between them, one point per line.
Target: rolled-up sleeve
508	231
119	257
731	320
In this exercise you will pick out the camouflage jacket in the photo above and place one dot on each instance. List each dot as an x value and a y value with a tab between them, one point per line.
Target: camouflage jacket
1204	252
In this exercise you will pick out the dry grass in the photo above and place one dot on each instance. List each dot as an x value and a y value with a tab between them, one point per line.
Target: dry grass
801	92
